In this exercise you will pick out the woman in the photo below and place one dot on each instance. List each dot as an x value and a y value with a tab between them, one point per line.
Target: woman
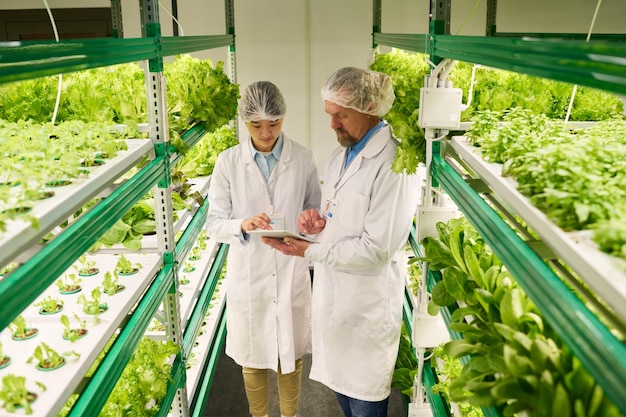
265	180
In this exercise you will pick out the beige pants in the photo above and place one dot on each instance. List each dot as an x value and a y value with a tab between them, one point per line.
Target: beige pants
255	381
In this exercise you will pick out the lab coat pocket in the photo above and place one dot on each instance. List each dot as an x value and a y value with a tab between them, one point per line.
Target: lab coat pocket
357	300
351	212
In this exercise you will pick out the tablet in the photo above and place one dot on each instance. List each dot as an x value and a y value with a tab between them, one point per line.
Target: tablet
279	234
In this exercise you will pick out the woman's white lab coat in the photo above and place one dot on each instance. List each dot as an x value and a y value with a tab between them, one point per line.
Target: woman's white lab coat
268	294
358	289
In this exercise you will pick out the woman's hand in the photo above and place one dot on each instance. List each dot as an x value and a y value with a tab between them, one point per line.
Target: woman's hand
310	222
260	221
288	246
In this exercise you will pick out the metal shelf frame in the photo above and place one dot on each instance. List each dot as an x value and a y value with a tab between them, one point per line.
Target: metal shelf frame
27	60
599	63
602	354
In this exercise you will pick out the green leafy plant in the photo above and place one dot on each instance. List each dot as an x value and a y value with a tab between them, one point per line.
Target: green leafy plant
50	305
143	384
14	394
48	358
20	330
110	283
92	306
126	267
4	359
406	365
195	254
73	334
515	360
86	267
129	229
8	268
200	160
188	267
69	283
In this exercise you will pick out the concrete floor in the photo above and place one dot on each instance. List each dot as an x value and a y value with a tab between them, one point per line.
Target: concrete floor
227	397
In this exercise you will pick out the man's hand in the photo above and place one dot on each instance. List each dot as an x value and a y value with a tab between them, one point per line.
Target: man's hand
260	221
288	246
310	222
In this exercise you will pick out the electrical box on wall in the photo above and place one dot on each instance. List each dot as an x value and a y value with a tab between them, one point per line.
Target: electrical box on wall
440	108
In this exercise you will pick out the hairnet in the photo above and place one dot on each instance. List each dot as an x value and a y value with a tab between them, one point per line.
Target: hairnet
262	100
365	91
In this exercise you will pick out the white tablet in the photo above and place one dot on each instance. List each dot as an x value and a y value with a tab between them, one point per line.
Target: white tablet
279	234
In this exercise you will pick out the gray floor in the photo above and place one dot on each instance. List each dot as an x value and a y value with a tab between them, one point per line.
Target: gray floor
228	399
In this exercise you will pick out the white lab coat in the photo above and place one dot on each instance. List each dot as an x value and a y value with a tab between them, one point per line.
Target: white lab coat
357	287
268	294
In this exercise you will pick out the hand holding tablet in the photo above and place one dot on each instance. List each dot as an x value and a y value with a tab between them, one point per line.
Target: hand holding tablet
280	234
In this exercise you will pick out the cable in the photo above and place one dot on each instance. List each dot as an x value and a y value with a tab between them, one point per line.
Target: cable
593	22
180	27
60	85
469	17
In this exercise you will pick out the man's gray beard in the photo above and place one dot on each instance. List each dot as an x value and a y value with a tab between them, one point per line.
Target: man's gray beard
346	141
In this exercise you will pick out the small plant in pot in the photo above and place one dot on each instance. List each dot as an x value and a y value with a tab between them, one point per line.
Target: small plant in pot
73	334
8	268
15	395
188	267
126	267
49	305
69	284
184	280
5	360
86	268
194	255
92	306
20	330
110	283
49	359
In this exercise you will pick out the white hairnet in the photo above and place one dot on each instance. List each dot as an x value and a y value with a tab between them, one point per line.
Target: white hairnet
365	91
262	100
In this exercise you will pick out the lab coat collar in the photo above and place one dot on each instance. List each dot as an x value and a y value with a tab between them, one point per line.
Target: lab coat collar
374	146
285	155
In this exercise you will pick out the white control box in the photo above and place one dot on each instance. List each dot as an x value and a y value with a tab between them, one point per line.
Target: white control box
440	108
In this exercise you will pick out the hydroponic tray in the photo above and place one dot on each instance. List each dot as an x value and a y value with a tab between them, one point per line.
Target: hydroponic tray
51	212
61	383
149	243
188	293
202	343
604	274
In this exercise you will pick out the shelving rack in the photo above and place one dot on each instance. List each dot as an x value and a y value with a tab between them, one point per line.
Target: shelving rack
563	57
26	60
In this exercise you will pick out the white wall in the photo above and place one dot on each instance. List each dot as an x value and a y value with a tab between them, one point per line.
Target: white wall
298	44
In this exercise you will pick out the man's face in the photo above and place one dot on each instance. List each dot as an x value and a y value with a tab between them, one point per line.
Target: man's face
349	124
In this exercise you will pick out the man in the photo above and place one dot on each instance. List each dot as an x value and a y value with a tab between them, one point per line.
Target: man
366	214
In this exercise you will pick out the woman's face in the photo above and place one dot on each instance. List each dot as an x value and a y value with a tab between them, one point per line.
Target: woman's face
265	133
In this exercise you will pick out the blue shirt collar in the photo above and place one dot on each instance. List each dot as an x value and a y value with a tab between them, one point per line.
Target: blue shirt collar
353	150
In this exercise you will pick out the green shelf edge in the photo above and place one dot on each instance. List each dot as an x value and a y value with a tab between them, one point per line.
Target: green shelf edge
201	396
178	380
612	37
410	42
58	255
204	299
191	137
33	59
600	352
173	45
190	235
97	391
595	64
